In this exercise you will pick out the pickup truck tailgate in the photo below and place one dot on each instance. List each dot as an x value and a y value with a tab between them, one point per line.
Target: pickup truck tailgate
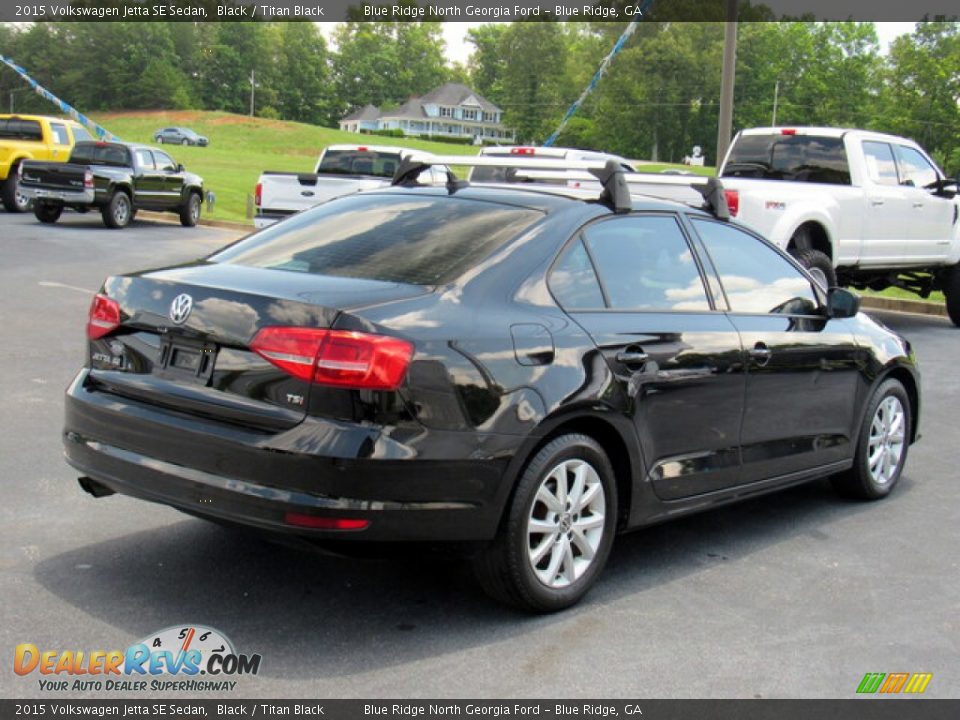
285	193
52	176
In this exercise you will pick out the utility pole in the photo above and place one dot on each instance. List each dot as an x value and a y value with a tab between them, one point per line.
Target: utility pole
725	126
253	85
776	96
11	102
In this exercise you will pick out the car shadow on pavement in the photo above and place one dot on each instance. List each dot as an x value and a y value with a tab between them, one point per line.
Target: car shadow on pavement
315	615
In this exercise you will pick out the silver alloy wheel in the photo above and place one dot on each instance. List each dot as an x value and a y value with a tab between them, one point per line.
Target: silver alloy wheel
194	208
23	202
820	276
566	523
121	213
886	443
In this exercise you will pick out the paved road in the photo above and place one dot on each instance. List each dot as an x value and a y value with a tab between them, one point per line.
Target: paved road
794	595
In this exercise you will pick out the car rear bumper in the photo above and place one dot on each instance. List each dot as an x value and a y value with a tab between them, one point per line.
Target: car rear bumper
207	468
67	197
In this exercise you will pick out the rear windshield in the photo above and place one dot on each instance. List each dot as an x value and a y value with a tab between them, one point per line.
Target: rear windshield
416	240
17	129
797	158
357	162
100	154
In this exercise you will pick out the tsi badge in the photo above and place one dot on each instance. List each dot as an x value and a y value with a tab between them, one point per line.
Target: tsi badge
171	659
180	308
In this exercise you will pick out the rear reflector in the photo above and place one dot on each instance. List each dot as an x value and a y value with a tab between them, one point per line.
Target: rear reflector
104	317
336	357
733	201
325	523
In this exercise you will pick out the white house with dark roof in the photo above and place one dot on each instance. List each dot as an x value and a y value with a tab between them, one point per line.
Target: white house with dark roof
452	109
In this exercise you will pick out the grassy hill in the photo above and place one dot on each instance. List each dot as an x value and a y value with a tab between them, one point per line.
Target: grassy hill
242	147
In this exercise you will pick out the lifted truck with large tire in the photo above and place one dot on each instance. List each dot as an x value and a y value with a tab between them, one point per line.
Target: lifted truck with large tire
115	178
857	208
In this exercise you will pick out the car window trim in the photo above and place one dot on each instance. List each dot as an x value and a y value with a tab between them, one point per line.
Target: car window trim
818	292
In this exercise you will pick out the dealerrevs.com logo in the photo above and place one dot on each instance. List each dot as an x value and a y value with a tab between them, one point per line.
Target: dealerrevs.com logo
893	683
189	658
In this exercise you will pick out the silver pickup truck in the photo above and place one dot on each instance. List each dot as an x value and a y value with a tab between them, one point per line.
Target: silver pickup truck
341	169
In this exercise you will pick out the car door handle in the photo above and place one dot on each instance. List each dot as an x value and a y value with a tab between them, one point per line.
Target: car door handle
760	353
876	201
918	204
632	357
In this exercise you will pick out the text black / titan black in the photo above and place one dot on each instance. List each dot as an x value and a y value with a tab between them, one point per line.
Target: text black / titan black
521	369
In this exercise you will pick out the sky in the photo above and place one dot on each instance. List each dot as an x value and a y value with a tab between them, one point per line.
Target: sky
458	50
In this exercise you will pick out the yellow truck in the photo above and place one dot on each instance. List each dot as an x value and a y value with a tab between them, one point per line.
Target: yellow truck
32	137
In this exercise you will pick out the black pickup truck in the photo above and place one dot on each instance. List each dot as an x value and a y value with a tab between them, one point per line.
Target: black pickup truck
117	179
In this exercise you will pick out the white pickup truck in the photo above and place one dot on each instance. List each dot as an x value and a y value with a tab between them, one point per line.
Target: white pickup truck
341	169
857	208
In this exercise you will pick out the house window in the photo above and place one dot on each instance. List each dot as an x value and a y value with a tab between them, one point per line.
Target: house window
469	114
446	112
489	117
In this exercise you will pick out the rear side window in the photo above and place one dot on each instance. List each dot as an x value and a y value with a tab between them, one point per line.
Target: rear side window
357	162
59	132
573	280
880	164
796	158
756	278
18	129
417	240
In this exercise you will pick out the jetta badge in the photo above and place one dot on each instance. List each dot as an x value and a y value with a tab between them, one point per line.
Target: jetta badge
180	308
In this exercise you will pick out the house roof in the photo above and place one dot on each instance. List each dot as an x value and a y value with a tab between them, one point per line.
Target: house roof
455	94
411	109
367	112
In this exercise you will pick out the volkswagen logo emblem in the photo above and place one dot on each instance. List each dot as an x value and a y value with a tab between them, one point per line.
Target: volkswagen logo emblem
180	308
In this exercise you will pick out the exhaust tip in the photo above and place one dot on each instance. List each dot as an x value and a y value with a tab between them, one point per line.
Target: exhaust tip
91	486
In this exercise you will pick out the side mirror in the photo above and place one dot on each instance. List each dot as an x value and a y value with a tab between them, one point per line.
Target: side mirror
842	303
180	167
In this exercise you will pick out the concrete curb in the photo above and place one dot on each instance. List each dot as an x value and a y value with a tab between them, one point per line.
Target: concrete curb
917	307
172	220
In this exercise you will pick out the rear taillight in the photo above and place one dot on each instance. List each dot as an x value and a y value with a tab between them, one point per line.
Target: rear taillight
88	180
336	357
104	317
733	201
258	195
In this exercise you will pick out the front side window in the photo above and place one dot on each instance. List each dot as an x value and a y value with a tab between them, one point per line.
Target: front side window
757	279
881	168
164	161
915	168
645	263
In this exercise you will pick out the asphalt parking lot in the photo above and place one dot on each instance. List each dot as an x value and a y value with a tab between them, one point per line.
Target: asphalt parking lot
793	595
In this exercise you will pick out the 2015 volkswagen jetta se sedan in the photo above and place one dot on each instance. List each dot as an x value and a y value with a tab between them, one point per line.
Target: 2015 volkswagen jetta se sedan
524	370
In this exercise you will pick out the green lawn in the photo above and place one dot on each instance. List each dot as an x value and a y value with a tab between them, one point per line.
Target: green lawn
242	147
936	297
660	167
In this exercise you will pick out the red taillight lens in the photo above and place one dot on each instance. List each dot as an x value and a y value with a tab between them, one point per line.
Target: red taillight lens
733	201
258	195
336	357
104	317
325	523
88	179
523	151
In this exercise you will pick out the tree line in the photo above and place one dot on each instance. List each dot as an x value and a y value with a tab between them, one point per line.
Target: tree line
658	100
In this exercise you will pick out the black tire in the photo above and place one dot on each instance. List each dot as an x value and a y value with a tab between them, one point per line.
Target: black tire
505	569
118	212
190	211
47	212
859	482
184	142
160	139
951	290
12	200
818	264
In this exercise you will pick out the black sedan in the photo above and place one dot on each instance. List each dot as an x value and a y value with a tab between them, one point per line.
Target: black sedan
523	371
180	136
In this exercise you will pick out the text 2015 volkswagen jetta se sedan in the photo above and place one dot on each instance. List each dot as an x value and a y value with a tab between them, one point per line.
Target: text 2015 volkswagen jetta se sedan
520	369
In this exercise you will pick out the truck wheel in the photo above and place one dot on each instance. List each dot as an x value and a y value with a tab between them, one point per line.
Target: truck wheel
47	212
190	213
558	530
818	265
951	289
118	212
13	199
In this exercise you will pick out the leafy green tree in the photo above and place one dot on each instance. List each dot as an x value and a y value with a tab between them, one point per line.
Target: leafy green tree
303	78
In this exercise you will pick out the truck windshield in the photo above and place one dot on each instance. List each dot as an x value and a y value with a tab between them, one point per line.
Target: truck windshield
86	153
796	158
359	162
393	238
